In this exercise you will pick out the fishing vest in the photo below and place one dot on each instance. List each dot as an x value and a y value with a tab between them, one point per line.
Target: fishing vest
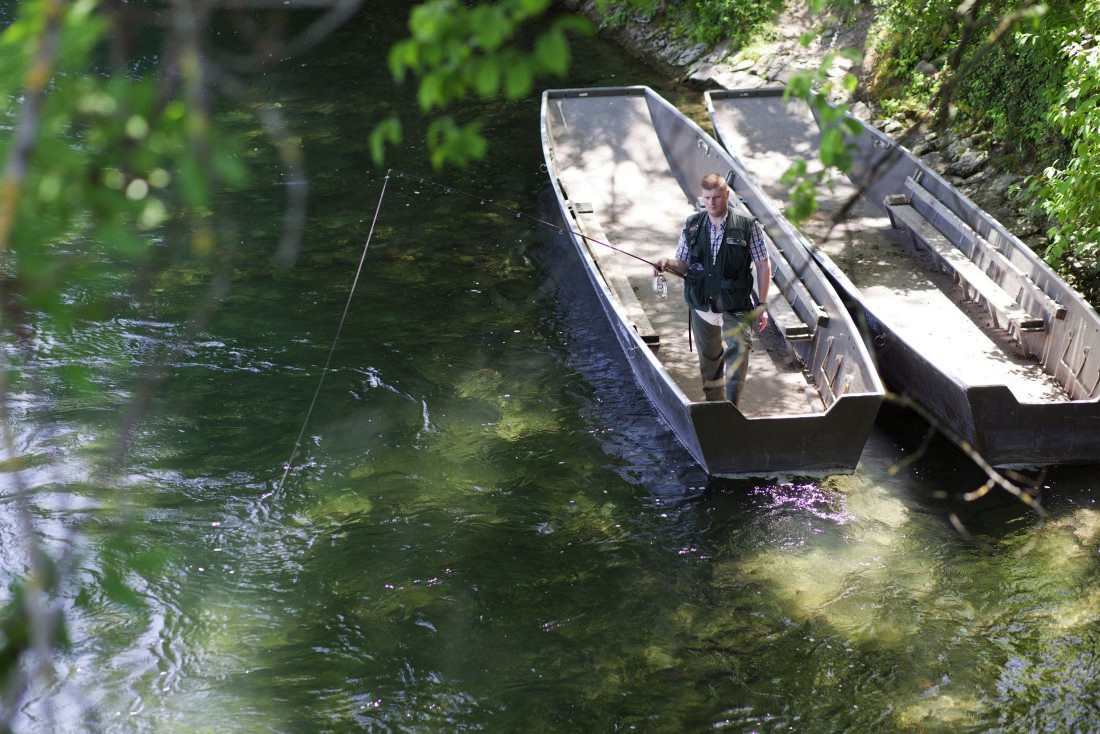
725	285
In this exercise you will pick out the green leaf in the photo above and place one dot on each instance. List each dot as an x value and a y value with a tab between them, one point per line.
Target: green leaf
575	24
491	26
449	143
487	78
552	51
832	146
829	114
430	93
403	56
851	126
799	86
517	78
533	7
387	131
796	171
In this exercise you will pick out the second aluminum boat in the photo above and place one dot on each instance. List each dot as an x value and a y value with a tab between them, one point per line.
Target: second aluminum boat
966	320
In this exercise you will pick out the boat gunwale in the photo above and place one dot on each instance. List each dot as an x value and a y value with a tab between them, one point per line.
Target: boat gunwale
607	293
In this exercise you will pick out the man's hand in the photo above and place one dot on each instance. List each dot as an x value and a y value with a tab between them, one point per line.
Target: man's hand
670	264
763	280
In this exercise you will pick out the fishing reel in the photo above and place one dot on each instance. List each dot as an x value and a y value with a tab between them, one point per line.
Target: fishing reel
660	286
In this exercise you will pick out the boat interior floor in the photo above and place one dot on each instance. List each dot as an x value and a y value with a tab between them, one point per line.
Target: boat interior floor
924	306
617	178
776	383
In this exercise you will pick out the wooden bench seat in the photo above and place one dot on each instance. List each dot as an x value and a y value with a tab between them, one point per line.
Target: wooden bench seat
995	263
588	225
1002	307
795	311
785	319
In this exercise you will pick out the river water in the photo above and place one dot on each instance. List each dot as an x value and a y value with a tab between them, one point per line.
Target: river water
487	527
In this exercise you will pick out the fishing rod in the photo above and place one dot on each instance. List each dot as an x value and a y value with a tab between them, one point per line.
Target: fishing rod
561	230
617	249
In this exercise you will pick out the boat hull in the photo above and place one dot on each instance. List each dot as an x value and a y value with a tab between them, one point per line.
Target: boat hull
719	435
1052	416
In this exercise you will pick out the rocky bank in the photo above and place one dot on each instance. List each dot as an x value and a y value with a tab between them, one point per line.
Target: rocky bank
966	162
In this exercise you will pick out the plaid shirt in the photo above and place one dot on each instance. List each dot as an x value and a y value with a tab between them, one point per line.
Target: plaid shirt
757	248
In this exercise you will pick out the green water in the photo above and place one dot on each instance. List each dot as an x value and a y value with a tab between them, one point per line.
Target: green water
487	528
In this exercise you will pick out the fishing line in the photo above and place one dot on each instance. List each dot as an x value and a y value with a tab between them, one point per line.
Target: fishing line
512	210
359	270
335	339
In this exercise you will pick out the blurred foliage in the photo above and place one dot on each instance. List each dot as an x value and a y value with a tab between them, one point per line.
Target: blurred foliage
710	22
456	50
97	160
23	627
835	148
732	21
997	67
114	151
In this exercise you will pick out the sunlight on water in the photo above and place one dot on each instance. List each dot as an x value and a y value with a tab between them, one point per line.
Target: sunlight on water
851	552
874	580
1066	555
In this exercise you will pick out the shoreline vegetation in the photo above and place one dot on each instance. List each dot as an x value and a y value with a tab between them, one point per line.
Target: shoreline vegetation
1000	100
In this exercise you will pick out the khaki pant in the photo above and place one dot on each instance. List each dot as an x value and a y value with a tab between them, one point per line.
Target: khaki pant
723	354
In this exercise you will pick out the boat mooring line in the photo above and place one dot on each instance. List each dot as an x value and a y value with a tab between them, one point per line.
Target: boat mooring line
512	210
335	339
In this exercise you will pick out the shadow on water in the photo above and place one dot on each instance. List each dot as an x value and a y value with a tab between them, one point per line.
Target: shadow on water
632	430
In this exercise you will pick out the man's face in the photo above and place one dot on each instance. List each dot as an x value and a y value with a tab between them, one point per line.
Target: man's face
715	201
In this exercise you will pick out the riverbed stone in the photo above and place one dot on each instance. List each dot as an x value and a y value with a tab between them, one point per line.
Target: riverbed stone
967	162
1004	181
860	111
936	162
890	127
691	55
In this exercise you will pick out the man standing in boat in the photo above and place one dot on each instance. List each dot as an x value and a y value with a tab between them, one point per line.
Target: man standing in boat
717	251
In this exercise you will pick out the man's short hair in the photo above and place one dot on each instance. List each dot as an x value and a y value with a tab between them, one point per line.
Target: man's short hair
713	181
